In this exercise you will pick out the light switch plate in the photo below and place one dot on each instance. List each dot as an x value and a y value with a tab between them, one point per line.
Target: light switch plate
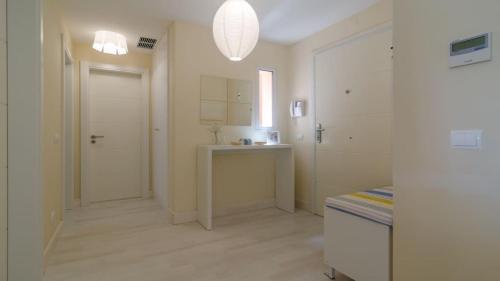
466	139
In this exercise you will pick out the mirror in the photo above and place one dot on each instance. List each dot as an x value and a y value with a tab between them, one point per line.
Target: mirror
226	101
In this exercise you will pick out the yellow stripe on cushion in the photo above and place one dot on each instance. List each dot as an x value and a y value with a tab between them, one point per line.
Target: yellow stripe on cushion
373	198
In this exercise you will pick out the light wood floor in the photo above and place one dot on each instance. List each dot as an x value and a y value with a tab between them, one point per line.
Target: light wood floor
131	240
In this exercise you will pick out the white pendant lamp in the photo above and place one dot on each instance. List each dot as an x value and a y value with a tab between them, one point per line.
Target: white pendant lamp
109	42
236	29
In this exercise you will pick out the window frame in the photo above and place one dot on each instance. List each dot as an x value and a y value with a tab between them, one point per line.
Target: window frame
274	97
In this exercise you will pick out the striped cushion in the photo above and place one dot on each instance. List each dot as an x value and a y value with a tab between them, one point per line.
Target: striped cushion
375	205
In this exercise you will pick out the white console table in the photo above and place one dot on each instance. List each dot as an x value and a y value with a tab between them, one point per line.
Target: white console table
285	176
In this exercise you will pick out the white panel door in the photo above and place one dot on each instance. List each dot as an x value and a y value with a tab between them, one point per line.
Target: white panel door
115	135
353	83
159	121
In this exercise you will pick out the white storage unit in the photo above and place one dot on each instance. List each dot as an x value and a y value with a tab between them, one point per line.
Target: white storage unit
357	247
358	234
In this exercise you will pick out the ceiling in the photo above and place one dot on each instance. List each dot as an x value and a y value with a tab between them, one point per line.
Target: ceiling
281	21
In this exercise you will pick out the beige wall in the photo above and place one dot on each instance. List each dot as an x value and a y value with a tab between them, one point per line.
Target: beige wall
84	52
193	53
447	201
301	86
53	27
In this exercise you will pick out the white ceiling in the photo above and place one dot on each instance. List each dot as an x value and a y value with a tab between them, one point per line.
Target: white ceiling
282	21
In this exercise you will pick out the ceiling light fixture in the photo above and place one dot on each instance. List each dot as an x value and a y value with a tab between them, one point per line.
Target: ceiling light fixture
109	42
236	29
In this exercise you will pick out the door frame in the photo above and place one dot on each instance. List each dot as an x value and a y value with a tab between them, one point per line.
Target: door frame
327	47
68	98
85	68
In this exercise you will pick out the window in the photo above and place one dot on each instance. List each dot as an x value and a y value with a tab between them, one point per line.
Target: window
266	99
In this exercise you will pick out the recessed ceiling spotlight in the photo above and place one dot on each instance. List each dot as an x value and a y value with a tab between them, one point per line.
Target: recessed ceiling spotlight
109	42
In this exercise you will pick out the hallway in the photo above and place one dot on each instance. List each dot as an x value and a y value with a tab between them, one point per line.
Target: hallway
131	240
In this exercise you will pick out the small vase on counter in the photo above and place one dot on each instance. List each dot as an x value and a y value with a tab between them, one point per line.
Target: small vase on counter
216	130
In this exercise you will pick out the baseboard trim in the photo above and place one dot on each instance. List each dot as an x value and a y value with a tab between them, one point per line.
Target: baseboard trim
254	206
52	241
182	217
303	205
149	194
77	203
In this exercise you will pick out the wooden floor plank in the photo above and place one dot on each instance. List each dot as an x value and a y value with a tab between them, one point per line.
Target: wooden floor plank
132	240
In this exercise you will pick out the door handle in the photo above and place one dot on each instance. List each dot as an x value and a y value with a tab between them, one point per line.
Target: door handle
319	133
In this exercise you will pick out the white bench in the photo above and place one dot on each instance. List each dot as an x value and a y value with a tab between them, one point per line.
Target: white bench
359	245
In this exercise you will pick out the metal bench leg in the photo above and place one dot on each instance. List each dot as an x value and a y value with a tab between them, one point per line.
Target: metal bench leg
331	275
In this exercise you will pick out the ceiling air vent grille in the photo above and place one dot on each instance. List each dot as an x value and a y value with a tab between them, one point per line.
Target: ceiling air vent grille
146	43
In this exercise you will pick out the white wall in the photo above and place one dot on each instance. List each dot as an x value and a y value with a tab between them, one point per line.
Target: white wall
52	118
159	107
447	222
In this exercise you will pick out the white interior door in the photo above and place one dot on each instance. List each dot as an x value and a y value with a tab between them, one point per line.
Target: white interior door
159	115
353	83
115	135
